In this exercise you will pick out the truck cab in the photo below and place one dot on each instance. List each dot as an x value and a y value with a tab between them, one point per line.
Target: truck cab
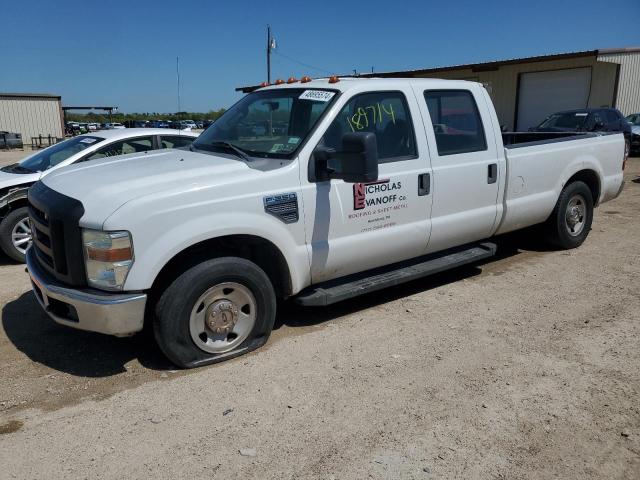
318	190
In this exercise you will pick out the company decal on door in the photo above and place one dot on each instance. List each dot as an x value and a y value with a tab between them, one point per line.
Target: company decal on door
376	202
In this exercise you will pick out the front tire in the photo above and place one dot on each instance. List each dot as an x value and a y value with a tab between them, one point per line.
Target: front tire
570	223
15	234
217	310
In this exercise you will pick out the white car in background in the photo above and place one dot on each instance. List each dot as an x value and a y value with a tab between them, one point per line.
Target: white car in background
15	180
188	124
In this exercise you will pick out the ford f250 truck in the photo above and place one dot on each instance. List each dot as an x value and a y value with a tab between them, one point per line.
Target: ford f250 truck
319	190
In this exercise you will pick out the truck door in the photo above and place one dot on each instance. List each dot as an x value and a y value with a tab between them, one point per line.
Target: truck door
466	165
355	227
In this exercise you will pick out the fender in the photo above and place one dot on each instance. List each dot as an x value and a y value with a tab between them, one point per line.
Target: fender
160	246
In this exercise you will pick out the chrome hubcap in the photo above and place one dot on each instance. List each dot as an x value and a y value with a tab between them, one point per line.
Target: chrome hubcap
21	235
223	317
575	215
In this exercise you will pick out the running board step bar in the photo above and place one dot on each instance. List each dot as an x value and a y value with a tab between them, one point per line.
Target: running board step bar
354	285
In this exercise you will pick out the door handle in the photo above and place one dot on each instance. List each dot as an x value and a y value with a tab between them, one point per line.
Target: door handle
424	184
492	173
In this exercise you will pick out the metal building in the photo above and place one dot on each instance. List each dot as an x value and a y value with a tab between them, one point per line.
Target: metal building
31	114
526	90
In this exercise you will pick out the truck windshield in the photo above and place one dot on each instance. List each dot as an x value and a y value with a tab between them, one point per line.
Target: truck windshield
573	120
634	119
53	155
269	123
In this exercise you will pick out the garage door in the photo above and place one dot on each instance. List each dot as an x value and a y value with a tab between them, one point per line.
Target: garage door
544	93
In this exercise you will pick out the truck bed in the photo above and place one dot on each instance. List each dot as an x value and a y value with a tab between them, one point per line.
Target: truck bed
537	170
522	139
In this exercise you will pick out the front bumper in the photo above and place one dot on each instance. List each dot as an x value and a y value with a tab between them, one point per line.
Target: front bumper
119	314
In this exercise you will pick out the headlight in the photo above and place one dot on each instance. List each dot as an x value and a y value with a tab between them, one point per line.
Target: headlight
108	258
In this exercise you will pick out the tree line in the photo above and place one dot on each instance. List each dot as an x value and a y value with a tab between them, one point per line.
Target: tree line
92	117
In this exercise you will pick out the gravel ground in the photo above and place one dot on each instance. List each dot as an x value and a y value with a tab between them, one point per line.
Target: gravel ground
526	367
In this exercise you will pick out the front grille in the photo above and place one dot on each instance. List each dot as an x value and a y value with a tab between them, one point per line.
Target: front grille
57	238
41	235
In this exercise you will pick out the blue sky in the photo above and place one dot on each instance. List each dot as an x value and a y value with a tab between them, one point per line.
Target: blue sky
124	53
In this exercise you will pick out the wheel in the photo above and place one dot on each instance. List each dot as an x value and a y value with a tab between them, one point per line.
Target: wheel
570	222
214	311
15	234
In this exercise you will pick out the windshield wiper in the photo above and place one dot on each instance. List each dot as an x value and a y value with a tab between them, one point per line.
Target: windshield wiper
230	146
16	168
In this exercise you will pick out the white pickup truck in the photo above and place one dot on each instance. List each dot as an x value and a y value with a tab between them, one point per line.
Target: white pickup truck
319	190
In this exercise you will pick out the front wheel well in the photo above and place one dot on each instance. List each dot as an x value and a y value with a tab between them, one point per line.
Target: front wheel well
255	249
13	205
592	181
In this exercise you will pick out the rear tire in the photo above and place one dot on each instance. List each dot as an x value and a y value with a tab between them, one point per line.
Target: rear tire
15	234
215	311
570	222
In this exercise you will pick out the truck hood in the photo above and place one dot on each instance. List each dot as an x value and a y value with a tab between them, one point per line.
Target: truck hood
104	185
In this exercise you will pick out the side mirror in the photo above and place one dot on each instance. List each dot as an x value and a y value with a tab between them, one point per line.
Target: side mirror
356	162
598	126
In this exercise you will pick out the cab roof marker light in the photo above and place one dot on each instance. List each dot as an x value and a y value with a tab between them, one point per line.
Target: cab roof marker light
292	80
279	81
264	84
305	79
334	79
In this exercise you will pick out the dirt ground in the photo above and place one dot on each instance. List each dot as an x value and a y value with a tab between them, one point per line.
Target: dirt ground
524	367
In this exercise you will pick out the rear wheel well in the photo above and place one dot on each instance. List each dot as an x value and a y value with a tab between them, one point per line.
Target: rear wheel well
591	179
255	249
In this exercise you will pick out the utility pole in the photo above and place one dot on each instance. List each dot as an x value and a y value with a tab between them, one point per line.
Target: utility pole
271	44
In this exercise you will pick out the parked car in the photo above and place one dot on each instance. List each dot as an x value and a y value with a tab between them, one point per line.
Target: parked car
587	120
135	123
207	123
92	127
368	188
15	180
10	140
190	124
634	121
199	124
113	126
157	124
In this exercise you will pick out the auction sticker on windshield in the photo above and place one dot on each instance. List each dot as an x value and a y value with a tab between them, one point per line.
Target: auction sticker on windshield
88	140
317	95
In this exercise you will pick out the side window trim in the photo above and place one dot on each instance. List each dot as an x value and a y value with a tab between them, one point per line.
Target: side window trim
476	111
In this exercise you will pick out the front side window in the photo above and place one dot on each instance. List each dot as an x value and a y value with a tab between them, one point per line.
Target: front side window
456	121
268	123
383	113
123	147
52	156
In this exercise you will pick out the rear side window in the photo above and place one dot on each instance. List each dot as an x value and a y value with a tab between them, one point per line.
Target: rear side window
456	121
176	141
123	147
383	113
